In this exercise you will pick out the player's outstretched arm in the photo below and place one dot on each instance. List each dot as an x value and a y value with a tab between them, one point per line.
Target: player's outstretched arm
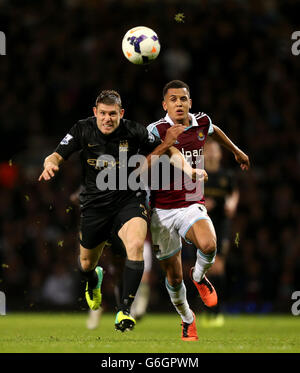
177	160
51	165
242	158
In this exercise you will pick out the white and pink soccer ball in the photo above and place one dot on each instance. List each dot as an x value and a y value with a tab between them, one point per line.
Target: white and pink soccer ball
141	45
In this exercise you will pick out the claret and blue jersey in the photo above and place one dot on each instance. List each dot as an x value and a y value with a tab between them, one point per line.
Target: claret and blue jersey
190	143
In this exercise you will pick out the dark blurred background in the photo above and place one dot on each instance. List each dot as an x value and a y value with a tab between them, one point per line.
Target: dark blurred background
235	55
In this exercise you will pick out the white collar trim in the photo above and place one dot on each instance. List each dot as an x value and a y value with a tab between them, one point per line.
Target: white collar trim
192	116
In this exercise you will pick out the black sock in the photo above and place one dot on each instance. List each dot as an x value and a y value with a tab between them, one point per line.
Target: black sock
132	275
88	276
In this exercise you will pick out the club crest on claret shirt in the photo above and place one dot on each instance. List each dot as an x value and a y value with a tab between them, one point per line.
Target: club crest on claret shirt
201	136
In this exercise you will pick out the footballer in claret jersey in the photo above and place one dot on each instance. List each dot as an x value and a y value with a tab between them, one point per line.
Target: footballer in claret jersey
180	212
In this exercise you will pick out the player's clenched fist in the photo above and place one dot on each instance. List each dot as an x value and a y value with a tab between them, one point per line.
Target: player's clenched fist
199	174
242	159
172	133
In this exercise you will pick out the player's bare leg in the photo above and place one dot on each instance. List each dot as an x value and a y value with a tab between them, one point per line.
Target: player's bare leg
92	274
177	291
89	257
133	234
202	235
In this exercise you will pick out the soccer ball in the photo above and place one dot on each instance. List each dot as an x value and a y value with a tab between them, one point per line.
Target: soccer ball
140	45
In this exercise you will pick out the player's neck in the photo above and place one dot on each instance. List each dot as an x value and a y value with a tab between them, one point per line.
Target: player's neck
185	122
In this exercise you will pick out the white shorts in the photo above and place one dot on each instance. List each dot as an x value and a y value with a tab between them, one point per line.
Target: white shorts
168	226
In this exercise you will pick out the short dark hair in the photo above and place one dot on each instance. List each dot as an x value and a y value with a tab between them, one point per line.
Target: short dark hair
175	84
109	97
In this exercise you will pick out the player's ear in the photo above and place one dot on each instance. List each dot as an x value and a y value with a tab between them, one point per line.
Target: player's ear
190	103
122	111
164	105
95	110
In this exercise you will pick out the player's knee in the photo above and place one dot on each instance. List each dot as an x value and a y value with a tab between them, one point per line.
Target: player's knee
174	280
87	264
209	247
135	250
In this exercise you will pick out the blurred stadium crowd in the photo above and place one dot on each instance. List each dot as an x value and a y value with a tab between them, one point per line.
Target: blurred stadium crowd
236	57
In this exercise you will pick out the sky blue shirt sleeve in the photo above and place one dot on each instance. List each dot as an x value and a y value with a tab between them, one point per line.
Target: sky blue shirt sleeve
152	129
210	128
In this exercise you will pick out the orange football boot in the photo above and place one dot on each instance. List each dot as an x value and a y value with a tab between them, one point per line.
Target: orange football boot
206	291
189	331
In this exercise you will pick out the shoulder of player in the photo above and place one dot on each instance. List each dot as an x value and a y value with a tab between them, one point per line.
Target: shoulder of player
132	127
84	124
132	124
89	121
158	123
202	117
159	127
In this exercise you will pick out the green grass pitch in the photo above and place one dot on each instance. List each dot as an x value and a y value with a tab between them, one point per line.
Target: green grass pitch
156	333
